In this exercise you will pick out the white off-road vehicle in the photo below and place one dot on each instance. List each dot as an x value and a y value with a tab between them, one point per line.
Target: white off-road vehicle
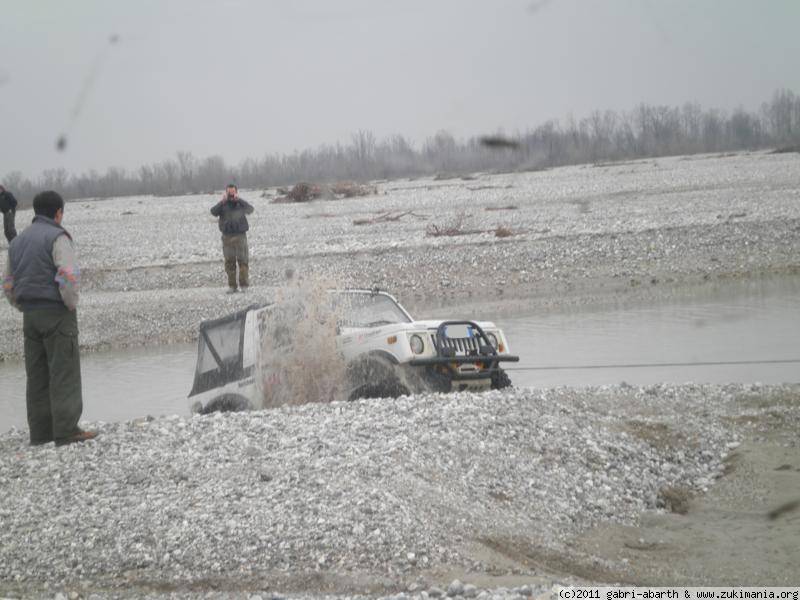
386	352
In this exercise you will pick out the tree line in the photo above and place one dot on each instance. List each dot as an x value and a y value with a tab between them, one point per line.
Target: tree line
646	131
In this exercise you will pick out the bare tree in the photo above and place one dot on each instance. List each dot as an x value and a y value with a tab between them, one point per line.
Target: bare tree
186	167
603	135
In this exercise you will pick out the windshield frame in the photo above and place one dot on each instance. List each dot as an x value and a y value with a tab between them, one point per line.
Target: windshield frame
401	313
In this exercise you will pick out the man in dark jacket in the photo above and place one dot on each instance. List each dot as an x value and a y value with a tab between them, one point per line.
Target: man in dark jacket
232	212
8	206
42	279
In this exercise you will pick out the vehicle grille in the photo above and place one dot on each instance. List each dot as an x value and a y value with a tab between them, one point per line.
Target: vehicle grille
467	346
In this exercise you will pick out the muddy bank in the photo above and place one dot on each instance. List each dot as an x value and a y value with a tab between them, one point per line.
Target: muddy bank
579	235
743	531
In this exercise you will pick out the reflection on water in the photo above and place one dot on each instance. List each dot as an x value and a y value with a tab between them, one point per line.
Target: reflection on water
732	322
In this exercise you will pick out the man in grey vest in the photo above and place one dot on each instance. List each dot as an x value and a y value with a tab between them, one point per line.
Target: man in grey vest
42	279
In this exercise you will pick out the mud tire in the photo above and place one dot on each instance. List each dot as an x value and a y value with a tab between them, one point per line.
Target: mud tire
227	403
374	377
500	380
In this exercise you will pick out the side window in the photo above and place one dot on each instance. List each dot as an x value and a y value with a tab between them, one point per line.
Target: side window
221	342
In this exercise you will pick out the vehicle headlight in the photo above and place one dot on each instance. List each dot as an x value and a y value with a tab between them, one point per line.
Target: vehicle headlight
493	340
417	345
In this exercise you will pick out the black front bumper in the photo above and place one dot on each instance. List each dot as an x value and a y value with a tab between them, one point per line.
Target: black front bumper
461	360
489	365
479	352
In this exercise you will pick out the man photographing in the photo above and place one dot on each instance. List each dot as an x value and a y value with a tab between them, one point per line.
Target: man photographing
232	212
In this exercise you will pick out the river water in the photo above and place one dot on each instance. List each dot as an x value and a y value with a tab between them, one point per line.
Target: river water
735	322
117	385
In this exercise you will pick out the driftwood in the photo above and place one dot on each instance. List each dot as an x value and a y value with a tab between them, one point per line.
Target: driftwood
434	230
348	189
301	192
502	231
509	207
306	192
458	227
387	217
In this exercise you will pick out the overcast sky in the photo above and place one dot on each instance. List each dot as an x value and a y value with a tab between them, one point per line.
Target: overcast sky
242	78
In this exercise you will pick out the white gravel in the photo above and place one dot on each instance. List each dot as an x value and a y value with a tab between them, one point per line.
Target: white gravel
395	489
389	497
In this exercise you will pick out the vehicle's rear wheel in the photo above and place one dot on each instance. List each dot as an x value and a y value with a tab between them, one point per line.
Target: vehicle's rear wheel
374	377
227	403
500	380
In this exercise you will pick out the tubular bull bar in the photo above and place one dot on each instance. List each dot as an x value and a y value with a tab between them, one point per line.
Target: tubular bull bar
475	348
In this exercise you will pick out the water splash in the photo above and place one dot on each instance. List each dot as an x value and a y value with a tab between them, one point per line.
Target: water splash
300	361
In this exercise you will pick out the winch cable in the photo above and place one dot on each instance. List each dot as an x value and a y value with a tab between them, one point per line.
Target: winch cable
706	363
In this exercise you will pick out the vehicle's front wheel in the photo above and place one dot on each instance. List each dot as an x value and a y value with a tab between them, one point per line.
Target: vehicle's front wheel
226	403
374	377
500	380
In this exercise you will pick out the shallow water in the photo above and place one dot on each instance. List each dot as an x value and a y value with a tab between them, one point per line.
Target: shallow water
749	321
732	322
117	385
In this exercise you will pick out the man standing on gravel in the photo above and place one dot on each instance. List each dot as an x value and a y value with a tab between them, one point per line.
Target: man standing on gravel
232	212
8	206
42	280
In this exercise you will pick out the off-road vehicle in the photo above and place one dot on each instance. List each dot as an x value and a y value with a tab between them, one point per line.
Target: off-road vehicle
387	353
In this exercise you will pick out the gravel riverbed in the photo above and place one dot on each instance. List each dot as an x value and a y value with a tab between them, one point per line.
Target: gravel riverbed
397	498
152	267
364	497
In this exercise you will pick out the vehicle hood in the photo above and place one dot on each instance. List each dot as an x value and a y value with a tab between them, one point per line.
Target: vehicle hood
434	324
414	326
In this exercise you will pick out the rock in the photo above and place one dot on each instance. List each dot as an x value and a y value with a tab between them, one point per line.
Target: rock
136	478
456	588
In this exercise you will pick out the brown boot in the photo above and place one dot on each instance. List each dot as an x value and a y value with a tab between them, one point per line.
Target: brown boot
230	271
80	436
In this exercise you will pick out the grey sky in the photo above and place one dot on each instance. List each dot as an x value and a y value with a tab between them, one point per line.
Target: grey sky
247	77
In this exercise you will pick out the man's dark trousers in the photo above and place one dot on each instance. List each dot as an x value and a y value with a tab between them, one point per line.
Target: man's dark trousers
8	224
234	249
52	362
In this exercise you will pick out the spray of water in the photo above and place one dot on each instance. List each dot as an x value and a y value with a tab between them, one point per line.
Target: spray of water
300	361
